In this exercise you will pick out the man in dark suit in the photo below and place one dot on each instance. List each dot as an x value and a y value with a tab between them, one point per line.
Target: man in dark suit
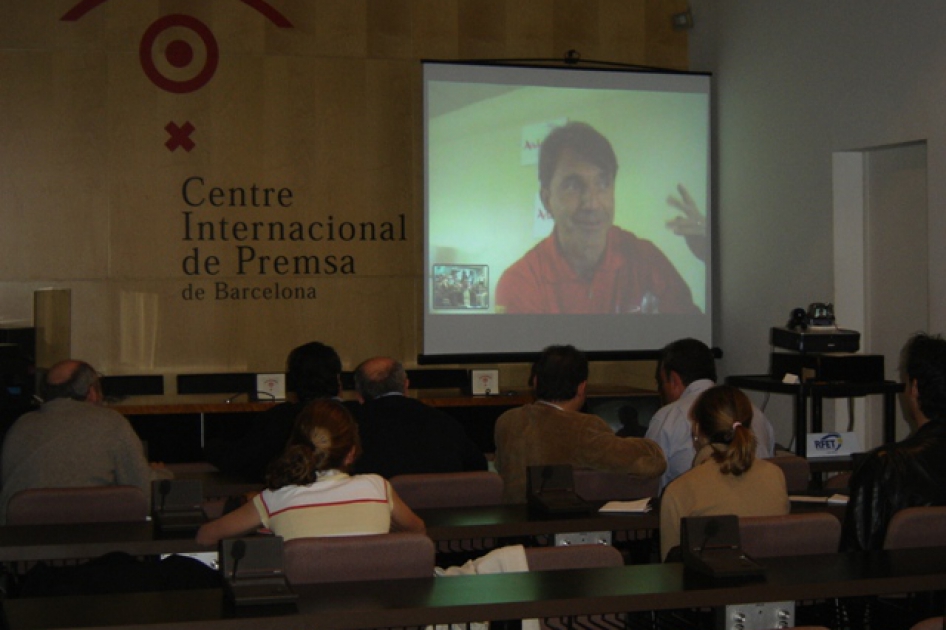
909	473
401	435
313	371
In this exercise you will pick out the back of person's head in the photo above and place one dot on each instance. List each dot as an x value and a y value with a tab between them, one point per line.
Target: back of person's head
323	435
313	370
558	372
584	141
69	379
723	415
690	358
924	359
379	376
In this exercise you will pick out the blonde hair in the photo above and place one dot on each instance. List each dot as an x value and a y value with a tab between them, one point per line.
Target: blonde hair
723	414
322	436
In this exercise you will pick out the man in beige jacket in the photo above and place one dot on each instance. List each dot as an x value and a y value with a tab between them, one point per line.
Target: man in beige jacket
553	430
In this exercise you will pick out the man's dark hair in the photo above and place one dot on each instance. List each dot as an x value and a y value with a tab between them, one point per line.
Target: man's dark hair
690	358
76	387
586	141
558	373
377	377
313	371
924	359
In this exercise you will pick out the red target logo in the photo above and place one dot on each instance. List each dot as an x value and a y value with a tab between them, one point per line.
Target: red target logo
170	57
179	53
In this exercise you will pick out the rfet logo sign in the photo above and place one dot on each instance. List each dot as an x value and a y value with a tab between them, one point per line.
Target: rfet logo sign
179	54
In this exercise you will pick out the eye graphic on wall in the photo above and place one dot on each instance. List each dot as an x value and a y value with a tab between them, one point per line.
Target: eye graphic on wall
179	53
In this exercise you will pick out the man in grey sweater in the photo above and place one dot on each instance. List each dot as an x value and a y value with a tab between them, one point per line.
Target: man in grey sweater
72	441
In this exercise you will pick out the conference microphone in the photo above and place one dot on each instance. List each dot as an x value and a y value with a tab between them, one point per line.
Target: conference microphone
237	551
710	531
547	473
164	489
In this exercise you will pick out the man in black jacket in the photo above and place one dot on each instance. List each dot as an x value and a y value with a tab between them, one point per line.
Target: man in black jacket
401	435
912	472
313	371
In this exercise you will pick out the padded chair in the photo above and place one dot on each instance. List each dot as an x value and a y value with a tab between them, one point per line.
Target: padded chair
448	490
797	472
98	504
790	535
917	527
598	485
352	558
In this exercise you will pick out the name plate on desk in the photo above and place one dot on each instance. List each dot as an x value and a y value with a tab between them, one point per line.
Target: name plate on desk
484	382
833	444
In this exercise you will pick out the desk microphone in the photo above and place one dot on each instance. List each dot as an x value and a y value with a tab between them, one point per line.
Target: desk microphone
164	489
237	551
234	397
547	473
709	533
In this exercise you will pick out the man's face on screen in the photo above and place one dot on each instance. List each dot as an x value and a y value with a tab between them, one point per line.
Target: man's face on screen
580	199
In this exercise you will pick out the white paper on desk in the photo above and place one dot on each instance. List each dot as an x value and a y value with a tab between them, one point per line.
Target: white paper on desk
641	505
834	499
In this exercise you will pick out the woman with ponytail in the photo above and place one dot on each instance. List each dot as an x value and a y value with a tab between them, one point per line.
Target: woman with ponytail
309	492
726	477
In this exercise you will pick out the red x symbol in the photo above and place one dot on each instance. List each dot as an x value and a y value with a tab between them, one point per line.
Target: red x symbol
180	136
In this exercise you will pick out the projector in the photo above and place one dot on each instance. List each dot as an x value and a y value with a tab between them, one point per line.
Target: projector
816	340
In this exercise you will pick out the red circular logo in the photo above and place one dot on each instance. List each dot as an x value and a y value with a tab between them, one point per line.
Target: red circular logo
179	54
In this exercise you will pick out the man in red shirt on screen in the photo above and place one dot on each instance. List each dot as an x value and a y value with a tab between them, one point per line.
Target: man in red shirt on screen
588	265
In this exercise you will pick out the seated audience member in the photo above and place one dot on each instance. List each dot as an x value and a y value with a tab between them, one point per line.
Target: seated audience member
726	477
312	371
401	435
686	368
309	491
912	472
553	430
72	440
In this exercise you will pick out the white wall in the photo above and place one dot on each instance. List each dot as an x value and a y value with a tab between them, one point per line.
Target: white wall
795	83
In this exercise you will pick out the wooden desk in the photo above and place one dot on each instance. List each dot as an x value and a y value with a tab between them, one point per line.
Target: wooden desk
79	541
513	521
216	403
418	602
25	543
476	413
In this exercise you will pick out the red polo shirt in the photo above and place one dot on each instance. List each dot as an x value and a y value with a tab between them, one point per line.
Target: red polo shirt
542	281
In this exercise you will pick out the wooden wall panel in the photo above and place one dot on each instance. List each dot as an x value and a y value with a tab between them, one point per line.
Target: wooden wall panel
91	195
529	30
52	178
389	29
436	28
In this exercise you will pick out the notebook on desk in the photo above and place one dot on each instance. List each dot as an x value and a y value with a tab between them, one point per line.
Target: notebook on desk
252	571
551	490
177	505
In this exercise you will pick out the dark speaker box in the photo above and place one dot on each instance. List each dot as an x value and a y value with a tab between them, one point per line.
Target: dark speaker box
832	340
850	368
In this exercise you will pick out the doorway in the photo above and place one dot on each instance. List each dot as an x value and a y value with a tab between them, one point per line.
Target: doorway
881	263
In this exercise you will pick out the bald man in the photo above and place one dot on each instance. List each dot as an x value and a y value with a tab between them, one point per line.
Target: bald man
401	435
71	440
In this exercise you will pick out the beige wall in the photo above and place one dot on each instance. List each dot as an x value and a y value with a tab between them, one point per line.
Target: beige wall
91	198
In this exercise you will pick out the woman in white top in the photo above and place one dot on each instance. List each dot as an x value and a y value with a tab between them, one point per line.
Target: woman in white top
726	477
309	492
